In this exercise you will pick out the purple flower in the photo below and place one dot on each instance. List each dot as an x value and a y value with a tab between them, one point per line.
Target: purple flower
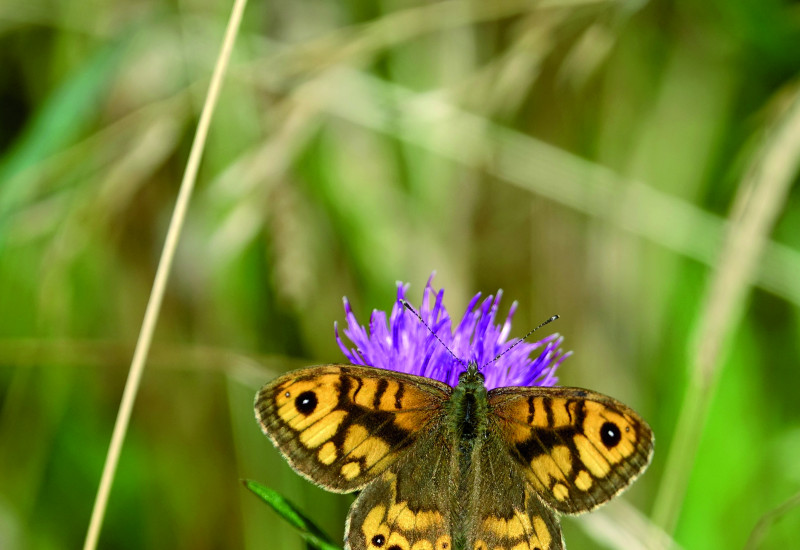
404	344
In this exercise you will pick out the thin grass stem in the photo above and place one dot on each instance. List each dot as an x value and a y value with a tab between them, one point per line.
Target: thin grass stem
765	522
759	200
162	275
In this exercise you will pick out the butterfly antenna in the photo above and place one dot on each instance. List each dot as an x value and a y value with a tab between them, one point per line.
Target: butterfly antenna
414	311
550	320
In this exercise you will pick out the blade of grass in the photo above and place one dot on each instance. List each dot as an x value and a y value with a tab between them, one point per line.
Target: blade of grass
162	274
288	511
538	167
622	526
62	117
759	200
764	523
353	46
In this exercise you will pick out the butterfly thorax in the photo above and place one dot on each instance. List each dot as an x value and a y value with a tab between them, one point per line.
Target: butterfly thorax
467	408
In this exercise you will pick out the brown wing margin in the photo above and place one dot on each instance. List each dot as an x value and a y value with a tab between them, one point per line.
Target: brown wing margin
340	426
577	448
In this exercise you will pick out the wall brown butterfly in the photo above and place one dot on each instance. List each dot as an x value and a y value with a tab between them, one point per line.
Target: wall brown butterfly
462	467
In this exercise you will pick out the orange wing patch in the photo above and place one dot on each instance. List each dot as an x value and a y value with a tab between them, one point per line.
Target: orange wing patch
341	426
380	521
531	527
576	447
301	403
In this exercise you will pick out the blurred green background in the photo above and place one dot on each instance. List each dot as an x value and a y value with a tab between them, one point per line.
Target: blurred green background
584	156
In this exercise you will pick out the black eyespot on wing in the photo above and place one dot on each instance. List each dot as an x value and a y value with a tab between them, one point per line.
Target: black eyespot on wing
306	402
378	540
610	435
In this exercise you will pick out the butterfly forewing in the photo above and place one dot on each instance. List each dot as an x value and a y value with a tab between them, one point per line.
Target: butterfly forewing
575	447
341	426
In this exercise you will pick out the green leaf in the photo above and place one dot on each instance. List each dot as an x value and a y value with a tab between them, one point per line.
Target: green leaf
313	535
63	116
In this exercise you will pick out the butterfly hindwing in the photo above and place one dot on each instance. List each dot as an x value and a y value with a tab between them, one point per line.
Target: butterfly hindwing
341	426
503	511
575	447
533	526
410	505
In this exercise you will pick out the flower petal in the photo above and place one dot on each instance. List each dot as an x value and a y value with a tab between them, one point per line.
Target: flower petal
433	349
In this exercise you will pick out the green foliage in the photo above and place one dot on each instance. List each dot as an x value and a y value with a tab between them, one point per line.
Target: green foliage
294	517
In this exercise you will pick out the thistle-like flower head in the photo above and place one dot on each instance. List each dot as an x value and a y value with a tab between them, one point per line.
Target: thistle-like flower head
404	344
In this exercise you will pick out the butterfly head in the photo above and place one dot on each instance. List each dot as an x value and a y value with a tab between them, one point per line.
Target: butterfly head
471	376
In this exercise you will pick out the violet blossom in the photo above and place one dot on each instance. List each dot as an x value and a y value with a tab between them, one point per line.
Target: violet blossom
404	344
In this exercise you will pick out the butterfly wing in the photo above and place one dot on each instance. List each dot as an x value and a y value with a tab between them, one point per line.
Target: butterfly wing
436	498
576	448
531	526
409	506
503	510
341	426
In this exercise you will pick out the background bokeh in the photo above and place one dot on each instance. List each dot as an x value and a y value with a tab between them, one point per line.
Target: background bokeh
584	156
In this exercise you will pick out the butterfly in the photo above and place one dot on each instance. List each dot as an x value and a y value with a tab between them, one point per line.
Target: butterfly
451	468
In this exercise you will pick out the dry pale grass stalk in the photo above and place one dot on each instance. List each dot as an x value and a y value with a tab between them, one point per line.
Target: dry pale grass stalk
353	45
159	284
759	200
621	526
